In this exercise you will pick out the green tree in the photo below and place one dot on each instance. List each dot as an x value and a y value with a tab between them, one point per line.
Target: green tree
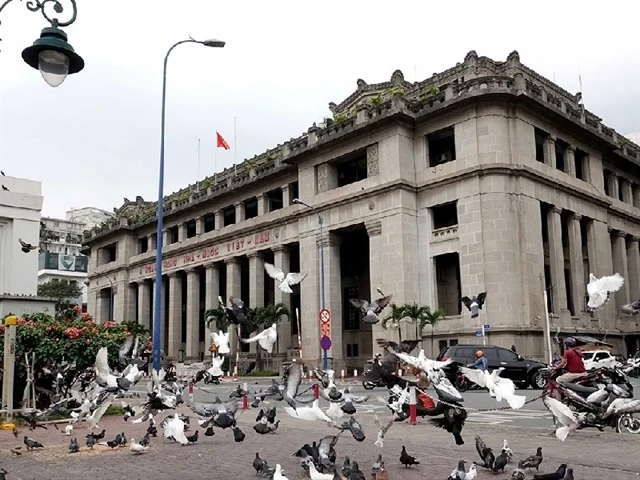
219	316
62	292
431	317
394	318
264	317
415	312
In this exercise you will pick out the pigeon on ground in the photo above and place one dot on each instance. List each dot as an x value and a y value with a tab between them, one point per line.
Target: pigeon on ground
90	441
221	341
474	303
534	461
277	475
31	443
144	441
258	464
137	448
631	308
406	459
519	472
68	429
346	467
26	247
557	475
73	446
507	450
499	387
459	472
371	310
569	474
377	465
238	435
266	338
263	426
174	429
193	438
356	473
472	474
314	474
486	454
284	281
600	289
501	461
382	430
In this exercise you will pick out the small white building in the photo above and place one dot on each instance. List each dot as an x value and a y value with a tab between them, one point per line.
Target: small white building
89	216
20	207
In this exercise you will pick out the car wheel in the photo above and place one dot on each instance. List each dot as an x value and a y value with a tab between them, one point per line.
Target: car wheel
537	381
368	385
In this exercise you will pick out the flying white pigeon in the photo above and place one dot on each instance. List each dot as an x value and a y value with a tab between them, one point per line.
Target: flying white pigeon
285	281
570	421
266	338
382	430
216	367
174	428
221	340
600	289
500	388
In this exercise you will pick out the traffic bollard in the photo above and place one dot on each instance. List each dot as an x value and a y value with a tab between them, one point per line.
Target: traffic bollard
413	412
191	392
355	374
316	391
342	375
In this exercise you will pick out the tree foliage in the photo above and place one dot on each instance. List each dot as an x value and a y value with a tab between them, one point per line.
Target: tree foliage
420	315
63	293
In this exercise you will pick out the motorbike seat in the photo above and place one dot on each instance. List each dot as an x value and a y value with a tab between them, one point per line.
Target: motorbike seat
581	388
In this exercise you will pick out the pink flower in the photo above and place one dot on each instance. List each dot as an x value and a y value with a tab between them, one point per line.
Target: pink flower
77	309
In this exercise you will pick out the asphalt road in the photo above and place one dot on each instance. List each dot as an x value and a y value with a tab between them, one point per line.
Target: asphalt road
532	414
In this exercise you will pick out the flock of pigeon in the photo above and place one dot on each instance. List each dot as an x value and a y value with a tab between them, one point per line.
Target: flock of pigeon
319	459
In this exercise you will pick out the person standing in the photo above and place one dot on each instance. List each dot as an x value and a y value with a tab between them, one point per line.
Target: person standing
572	360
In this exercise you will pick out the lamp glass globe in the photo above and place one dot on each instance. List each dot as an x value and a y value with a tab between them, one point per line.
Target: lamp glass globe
53	66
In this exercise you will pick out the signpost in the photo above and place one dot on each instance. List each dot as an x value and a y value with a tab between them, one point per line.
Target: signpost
9	366
325	333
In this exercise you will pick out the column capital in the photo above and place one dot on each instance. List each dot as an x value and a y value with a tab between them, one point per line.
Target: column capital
557	210
633	238
613	174
255	254
237	204
609	229
571	148
577	216
213	265
551	139
285	187
232	260
280	248
374	227
191	270
329	240
173	275
626	181
621	234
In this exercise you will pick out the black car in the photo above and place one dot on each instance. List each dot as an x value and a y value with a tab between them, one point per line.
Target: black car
522	371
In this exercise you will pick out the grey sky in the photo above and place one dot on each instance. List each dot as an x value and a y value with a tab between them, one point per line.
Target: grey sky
95	139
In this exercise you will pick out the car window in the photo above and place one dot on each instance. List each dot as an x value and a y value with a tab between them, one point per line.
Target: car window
588	356
507	355
465	352
491	354
601	356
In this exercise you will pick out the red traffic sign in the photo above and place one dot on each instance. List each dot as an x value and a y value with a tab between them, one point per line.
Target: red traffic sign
325	315
325	329
325	343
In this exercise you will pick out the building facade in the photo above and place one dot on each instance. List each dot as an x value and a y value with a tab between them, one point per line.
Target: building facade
60	258
485	177
20	207
89	216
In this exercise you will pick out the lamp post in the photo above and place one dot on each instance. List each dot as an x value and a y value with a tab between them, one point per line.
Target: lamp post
51	54
158	298
297	201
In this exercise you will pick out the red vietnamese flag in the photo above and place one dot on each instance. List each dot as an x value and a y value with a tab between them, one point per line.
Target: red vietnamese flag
221	142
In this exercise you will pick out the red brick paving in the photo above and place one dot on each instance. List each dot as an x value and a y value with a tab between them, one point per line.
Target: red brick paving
592	454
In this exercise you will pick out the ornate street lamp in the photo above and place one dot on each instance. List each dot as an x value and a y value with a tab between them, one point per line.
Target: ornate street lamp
51	53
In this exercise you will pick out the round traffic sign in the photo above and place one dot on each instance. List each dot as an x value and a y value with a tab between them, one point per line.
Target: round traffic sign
325	342
325	315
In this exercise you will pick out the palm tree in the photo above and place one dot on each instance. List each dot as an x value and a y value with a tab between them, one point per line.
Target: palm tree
415	313
432	318
264	317
219	315
393	318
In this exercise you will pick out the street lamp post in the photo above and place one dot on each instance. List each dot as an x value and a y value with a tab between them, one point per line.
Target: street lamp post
160	214
51	54
322	297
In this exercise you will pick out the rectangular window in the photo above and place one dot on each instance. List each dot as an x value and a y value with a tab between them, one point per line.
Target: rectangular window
442	147
606	174
143	244
191	228
274	199
540	138
561	148
293	190
445	215
250	208
229	215
581	164
173	235
352	170
448	283
209	222
109	253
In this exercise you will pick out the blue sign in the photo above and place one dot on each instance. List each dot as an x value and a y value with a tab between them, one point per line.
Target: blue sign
479	333
487	328
325	342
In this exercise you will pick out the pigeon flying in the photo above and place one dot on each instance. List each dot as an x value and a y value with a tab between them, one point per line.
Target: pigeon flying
370	311
474	303
600	289
284	281
26	247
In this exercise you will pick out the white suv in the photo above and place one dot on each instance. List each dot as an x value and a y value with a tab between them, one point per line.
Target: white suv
599	358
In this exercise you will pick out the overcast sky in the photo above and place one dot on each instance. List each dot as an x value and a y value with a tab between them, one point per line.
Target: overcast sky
95	139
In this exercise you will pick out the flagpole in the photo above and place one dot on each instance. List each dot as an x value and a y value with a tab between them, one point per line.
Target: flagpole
235	148
215	162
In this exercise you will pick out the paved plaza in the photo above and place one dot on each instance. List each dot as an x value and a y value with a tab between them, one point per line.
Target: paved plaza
593	455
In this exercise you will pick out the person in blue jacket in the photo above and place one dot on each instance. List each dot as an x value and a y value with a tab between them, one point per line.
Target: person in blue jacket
481	362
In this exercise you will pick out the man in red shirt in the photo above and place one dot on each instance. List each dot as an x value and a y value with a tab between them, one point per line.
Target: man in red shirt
572	359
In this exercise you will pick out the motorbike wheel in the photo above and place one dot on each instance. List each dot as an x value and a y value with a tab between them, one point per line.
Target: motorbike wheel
368	385
629	423
462	384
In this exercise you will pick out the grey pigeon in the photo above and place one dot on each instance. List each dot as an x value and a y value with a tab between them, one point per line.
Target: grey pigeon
90	441
474	303
377	465
73	446
238	435
26	247
569	474
459	473
518	472
356	473
258	464
486	454
355	428
631	308
406	459
501	461
346	467
371	310
31	443
534	461
557	475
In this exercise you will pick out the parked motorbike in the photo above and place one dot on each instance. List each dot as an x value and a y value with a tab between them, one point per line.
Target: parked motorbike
592	394
369	384
632	367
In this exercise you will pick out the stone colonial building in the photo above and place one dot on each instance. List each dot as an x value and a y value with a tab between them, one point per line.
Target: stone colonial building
485	177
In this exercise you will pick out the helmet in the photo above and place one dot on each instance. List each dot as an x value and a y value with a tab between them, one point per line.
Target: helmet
570	342
479	353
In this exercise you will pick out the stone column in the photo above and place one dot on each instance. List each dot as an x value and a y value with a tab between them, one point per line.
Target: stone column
256	280
550	151
165	237
577	264
633	260
619	255
636	196
131	307
286	196
212	291
152	242
218	220
175	315
374	229
239	212
333	295
570	160
627	191
613	185
199	225
144	304
556	260
98	313
163	315
281	259
233	290
262	203
193	315
182	232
